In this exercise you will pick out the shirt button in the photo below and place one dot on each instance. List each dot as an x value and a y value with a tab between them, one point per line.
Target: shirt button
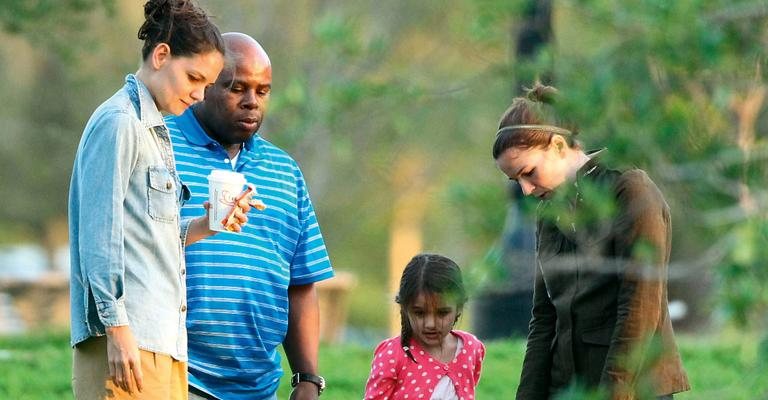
183	272
168	185
226	160
183	308
445	367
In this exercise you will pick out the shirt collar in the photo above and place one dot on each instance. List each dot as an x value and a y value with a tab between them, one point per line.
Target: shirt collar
147	108
190	127
192	130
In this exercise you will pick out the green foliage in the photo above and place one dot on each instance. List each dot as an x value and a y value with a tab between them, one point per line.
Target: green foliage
37	19
667	86
481	214
579	392
488	273
47	113
743	275
586	204
491	18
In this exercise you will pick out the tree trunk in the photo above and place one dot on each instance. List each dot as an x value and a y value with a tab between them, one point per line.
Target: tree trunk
405	234
747	109
535	33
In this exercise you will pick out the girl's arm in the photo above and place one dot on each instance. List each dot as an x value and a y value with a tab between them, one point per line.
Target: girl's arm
643	243
382	381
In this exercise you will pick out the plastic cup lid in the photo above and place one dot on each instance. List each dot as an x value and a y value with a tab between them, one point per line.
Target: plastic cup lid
227	176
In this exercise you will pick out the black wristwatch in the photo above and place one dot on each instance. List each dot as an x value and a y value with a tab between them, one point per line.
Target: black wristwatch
318	380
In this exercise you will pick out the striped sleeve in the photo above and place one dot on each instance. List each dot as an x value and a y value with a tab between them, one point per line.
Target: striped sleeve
310	261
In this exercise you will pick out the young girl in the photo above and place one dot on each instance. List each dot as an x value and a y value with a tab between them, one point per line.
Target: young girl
603	244
429	360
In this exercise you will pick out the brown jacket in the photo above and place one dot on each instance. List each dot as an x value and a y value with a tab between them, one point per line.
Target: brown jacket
600	297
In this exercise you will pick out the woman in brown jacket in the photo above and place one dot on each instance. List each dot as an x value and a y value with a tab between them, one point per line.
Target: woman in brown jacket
599	315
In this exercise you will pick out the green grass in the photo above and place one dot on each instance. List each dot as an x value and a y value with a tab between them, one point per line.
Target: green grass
38	366
346	368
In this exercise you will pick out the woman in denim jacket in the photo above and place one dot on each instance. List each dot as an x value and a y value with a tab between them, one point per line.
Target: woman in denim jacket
127	284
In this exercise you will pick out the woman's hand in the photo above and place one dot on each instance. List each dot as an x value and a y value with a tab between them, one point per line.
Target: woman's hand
237	218
124	359
234	222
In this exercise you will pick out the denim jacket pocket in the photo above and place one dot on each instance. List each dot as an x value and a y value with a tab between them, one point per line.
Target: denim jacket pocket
161	195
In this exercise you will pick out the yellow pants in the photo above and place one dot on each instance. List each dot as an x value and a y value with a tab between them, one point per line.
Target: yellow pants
164	378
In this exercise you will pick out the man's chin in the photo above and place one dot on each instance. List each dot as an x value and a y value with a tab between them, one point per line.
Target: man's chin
238	134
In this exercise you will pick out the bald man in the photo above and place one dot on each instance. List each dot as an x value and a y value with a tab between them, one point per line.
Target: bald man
249	292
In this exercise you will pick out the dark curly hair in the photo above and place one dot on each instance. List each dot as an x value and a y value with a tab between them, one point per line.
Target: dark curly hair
182	25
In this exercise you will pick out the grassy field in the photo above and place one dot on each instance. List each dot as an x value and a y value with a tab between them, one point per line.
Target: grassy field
38	366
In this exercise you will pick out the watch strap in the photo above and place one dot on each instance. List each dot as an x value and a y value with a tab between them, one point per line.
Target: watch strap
318	380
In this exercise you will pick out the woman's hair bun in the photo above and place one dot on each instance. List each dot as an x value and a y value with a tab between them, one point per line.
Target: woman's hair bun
182	25
155	12
541	93
153	6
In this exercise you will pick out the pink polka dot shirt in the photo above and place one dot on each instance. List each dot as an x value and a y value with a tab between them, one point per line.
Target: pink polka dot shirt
394	376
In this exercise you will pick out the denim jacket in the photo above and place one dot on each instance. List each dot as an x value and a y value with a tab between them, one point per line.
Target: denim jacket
126	240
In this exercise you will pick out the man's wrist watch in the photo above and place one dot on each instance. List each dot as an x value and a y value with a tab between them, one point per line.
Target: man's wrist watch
318	380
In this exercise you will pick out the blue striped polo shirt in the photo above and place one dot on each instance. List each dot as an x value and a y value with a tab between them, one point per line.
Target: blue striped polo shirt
237	283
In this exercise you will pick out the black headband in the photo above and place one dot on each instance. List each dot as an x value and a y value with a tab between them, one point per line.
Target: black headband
547	128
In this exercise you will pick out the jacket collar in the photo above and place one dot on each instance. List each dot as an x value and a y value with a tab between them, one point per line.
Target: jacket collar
569	195
145	105
592	168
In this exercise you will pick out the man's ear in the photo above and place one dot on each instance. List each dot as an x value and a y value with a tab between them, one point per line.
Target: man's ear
160	55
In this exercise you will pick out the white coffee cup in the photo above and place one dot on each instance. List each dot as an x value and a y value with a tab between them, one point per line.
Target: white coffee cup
223	188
